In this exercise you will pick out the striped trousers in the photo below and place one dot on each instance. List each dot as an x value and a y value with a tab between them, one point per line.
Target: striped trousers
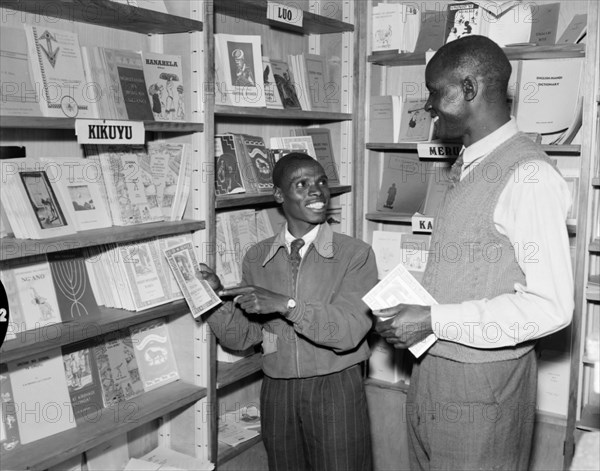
319	423
471	416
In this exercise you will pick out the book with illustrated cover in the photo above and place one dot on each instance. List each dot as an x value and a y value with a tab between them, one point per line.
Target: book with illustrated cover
123	363
272	98
300	143
144	271
28	377
323	149
124	178
74	293
239	71
170	168
36	294
165	85
57	66
117	368
198	294
149	182
79	181
464	19
415	122
111	390
403	184
33	205
385	34
9	427
125	73
228	166
154	353
257	160
17	94
161	244
83	381
285	84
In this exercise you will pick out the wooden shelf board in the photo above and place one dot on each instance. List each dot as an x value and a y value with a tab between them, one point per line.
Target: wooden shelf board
41	122
108	13
513	53
389	217
550	418
228	373
377	383
255	11
268	114
38	340
11	248
590	418
594	246
243	199
592	290
412	146
108	423
227	452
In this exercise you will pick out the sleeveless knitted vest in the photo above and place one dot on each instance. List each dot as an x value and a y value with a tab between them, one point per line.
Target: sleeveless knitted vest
469	259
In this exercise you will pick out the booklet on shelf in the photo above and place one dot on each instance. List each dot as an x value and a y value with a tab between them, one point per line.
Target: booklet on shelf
400	287
197	292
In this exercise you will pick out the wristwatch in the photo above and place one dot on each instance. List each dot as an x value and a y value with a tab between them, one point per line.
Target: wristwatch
291	304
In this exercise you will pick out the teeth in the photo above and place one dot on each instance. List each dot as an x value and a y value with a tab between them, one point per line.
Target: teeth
316	205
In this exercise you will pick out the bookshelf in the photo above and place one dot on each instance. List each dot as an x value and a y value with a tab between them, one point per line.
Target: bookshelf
329	32
584	400
169	415
390	73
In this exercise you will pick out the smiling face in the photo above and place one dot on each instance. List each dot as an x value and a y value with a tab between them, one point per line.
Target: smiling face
303	193
446	102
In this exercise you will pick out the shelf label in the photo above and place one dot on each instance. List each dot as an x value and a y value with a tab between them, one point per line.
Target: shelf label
438	150
285	14
103	131
420	223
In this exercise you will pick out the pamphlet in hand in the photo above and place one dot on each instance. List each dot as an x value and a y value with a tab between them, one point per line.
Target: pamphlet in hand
400	287
197	292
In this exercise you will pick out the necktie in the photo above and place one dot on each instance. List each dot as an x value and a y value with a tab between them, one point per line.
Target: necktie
456	169
295	258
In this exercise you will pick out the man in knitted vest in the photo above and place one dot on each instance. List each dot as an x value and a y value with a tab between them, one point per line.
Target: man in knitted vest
499	267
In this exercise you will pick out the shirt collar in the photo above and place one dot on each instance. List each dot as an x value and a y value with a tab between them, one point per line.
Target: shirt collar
321	237
483	147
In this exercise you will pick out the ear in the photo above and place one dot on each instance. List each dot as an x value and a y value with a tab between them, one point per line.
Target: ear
470	87
278	194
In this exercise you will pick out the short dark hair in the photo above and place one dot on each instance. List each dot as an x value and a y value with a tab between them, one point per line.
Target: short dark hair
477	55
289	163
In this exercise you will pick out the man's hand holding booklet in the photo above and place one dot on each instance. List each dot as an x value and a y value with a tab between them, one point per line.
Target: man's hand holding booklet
400	287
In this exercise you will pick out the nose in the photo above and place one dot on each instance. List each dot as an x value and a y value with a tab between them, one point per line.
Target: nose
428	106
315	189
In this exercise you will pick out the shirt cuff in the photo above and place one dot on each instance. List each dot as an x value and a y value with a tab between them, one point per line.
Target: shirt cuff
295	315
443	320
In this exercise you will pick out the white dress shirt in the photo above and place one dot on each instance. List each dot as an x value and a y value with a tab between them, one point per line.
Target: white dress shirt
531	212
309	238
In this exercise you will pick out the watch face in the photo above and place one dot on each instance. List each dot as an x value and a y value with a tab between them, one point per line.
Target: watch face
69	107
